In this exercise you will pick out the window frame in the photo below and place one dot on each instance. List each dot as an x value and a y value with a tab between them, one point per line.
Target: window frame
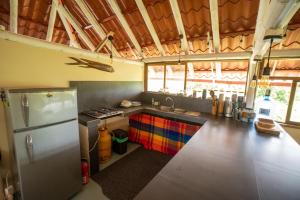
185	63
291	102
164	64
294	80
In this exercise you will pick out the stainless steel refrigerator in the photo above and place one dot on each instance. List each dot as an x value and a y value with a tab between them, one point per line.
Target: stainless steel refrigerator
45	142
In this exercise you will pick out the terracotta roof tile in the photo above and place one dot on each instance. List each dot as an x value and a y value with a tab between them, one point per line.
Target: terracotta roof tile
285	64
136	22
225	65
196	17
237	43
109	22
237	15
162	18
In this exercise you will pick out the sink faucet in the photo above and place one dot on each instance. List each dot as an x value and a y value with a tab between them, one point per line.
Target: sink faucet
173	104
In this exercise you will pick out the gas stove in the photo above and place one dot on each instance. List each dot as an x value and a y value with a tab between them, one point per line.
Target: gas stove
103	113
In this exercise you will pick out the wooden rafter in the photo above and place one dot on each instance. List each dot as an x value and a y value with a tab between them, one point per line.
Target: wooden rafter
89	15
149	25
275	15
211	63
214	16
65	13
13	20
131	50
51	21
68	28
179	25
115	7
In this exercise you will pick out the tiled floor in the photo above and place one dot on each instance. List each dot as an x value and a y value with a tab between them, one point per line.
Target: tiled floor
93	191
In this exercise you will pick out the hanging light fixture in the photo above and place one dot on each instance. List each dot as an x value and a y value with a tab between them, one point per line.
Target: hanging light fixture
253	82
110	38
267	70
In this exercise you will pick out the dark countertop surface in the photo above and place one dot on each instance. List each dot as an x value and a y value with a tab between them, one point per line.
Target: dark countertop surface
85	120
227	159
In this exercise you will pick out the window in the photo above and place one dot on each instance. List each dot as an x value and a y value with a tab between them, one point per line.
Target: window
155	78
294	108
284	101
193	77
175	78
278	101
227	76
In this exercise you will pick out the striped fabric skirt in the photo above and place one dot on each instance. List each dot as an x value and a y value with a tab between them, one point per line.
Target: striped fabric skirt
160	134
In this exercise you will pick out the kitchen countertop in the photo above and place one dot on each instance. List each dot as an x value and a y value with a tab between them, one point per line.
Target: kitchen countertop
85	120
227	159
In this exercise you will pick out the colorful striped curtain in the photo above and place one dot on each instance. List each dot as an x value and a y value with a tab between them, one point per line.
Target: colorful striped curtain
160	134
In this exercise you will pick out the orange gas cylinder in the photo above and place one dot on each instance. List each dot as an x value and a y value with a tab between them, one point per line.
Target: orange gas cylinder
104	145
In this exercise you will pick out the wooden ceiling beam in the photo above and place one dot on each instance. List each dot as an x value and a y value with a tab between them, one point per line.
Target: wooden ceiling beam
63	12
275	15
92	20
68	28
204	57
214	16
149	25
245	55
51	21
35	42
179	24
131	51
116	9
13	19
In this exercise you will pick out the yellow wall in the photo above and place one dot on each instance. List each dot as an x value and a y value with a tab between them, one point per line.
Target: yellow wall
28	66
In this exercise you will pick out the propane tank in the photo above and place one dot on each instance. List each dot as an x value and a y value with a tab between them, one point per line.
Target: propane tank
85	171
104	145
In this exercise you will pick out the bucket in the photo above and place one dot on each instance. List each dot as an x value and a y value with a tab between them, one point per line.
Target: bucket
104	145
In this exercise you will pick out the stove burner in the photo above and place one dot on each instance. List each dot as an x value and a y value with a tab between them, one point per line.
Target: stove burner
101	113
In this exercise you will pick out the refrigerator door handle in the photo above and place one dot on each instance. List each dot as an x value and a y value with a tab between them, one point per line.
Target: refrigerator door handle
29	147
25	109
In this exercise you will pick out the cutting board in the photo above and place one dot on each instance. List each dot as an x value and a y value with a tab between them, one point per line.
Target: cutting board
274	131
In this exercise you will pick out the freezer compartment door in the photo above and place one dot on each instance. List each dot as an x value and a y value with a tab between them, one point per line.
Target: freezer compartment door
39	108
48	162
